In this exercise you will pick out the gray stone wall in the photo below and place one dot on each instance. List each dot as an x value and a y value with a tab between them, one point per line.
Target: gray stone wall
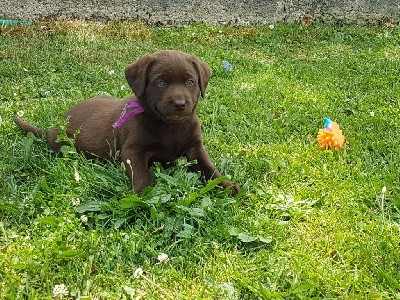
217	12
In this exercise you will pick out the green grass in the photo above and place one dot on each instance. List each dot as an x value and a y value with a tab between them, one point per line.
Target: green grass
309	224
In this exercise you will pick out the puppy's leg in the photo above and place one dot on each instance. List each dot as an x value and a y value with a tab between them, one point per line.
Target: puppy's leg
206	166
137	170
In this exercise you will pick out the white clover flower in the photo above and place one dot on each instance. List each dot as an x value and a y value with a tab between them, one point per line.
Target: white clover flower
60	290
272	26
163	258
111	72
84	218
247	86
138	273
77	176
75	201
372	114
20	113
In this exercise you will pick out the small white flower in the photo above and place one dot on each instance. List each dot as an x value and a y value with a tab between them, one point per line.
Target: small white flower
247	86
123	87
128	161
384	190
111	72
20	113
372	114
84	219
271	26
77	176
60	290
163	258
15	94
75	201
138	273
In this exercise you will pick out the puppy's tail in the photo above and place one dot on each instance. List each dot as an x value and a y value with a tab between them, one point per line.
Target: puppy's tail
29	128
50	135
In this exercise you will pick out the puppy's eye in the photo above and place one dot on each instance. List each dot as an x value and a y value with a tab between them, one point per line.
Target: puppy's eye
190	82
161	83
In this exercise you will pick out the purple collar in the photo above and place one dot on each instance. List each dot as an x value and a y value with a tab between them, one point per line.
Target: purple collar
131	109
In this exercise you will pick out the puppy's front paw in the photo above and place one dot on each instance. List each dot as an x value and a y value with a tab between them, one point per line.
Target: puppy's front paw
235	187
140	185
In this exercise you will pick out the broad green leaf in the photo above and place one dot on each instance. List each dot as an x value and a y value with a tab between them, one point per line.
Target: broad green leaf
193	196
103	216
301	288
189	199
28	142
206	203
34	265
225	201
18	266
168	178
187	232
212	183
396	202
153	213
196	212
268	294
158	199
193	211
68	253
65	150
89	206
43	184
234	231
245	238
120	221
132	201
265	240
52	221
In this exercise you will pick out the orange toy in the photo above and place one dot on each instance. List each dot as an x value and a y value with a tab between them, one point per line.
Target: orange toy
330	136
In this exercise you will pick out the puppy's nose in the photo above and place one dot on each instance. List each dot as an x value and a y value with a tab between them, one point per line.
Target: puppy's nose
179	104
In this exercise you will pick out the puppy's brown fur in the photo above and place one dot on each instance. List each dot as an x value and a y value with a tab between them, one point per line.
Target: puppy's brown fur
168	84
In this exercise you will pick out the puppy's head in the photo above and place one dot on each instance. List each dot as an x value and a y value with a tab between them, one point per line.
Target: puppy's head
169	83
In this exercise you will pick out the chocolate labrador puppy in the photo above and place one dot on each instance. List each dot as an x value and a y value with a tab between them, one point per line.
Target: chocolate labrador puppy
158	124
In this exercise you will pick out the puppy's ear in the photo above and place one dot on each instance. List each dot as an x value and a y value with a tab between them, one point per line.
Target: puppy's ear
136	75
204	72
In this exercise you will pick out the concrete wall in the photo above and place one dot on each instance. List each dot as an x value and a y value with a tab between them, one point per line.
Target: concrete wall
220	12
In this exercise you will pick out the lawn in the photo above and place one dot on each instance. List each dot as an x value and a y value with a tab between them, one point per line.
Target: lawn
308	223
